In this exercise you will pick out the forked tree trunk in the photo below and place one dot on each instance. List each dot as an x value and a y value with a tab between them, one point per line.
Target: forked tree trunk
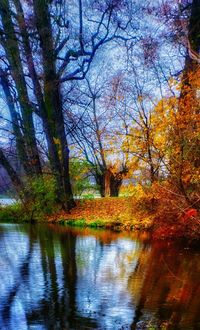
110	183
115	185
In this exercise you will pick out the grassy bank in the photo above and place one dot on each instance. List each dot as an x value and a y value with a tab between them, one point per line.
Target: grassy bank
157	214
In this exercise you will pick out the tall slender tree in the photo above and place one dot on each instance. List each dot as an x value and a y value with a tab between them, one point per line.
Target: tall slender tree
11	47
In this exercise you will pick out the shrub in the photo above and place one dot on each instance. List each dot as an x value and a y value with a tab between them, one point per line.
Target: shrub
42	198
11	212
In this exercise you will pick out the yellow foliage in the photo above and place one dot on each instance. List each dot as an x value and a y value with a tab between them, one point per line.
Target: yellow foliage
56	141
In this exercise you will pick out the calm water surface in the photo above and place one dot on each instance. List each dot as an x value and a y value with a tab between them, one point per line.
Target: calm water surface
53	277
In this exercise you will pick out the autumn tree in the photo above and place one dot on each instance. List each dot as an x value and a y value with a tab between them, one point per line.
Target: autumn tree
185	163
145	122
182	23
164	139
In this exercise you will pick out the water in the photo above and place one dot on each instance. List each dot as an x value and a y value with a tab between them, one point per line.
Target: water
6	201
53	277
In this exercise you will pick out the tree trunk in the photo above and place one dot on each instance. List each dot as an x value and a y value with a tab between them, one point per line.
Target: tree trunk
10	44
115	185
16	181
20	144
109	183
52	96
43	110
99	178
189	106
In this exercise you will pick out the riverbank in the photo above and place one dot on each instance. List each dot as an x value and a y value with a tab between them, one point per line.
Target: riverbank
162	220
119	213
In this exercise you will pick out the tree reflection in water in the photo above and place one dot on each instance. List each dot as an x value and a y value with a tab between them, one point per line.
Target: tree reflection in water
169	288
59	278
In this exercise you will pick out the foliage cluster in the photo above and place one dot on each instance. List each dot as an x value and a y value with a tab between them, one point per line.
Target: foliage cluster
80	178
173	216
11	213
38	201
42	201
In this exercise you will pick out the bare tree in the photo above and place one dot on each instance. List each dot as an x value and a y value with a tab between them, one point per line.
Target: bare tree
47	45
94	134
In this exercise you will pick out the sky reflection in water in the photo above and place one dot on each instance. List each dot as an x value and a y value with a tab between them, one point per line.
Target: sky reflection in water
52	277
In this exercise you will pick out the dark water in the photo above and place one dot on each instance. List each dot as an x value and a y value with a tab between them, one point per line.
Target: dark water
57	278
